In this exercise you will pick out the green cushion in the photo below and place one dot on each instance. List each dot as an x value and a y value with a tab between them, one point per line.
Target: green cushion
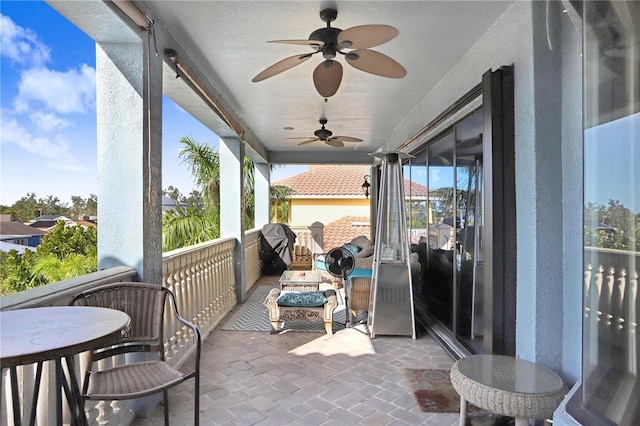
302	299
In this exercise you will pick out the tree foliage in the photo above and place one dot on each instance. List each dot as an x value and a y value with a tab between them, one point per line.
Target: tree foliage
65	252
29	207
611	226
279	208
200	220
184	227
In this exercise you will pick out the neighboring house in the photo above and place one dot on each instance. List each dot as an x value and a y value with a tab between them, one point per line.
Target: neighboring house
170	204
7	247
344	230
14	232
326	193
332	195
46	222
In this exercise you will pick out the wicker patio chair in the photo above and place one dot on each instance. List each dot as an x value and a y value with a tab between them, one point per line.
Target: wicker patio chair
145	304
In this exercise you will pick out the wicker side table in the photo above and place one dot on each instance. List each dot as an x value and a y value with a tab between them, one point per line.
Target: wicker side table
508	386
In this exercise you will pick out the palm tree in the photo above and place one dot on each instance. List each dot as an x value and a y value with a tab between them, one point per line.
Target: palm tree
188	226
204	164
184	227
52	269
279	209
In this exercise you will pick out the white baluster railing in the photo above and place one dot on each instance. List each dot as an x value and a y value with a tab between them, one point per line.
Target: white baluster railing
202	279
252	257
610	285
309	241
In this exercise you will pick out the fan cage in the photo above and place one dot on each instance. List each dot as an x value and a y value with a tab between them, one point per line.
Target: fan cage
339	262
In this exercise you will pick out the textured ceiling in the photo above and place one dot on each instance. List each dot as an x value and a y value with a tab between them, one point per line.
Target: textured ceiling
227	42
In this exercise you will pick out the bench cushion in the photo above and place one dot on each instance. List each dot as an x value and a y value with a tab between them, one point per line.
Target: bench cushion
302	299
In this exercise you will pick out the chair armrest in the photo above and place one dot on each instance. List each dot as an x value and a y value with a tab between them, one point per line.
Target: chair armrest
271	303
192	327
331	305
272	297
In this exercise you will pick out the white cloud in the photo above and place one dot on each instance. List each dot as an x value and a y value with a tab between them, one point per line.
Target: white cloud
73	91
56	151
48	121
21	45
434	176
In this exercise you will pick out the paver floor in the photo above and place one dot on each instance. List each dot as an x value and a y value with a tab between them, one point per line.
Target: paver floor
296	378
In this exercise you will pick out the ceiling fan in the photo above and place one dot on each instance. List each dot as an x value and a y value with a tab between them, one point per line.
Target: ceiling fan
326	136
331	41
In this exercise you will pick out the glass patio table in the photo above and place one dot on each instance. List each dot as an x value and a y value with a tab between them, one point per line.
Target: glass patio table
508	386
35	335
300	280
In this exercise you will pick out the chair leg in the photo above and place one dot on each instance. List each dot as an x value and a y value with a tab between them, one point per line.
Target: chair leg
165	402
196	419
328	327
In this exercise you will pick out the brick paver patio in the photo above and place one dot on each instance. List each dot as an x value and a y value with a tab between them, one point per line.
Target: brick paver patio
296	378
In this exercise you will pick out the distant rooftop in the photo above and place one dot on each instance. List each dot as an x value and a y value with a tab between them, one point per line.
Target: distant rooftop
344	230
339	181
14	229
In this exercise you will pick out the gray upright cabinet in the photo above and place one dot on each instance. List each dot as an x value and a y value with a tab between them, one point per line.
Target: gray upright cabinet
391	307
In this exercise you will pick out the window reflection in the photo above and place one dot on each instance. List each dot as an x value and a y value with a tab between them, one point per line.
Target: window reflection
446	228
469	244
612	210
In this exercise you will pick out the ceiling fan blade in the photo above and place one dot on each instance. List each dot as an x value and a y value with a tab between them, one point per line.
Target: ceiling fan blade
347	139
334	142
281	66
375	63
327	77
305	138
316	44
308	142
366	36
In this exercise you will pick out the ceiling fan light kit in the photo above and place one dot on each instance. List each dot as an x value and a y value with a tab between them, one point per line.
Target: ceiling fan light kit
331	41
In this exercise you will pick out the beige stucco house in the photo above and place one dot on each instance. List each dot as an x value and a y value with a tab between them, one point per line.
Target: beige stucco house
333	195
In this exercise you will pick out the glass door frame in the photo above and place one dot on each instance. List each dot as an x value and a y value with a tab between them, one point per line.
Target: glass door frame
495	96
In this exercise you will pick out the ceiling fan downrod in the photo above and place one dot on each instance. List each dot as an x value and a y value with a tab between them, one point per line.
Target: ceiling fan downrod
328	35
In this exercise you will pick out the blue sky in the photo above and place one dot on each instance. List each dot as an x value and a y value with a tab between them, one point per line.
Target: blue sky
612	162
48	116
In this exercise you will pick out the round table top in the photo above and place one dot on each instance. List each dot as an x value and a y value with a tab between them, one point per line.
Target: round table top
510	374
40	334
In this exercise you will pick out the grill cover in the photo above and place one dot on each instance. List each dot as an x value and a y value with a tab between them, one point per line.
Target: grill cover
276	248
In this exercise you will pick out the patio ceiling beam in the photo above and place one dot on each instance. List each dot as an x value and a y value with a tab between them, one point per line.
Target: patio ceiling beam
337	156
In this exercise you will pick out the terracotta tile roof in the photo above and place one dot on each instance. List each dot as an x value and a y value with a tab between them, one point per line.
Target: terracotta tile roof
417	190
339	180
343	230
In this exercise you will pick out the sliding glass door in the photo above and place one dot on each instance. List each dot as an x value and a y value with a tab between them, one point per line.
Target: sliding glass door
462	232
446	229
469	242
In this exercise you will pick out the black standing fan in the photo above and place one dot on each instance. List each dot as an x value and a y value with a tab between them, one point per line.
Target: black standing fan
340	263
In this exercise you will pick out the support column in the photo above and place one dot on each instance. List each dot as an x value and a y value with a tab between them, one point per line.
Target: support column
262	176
232	210
129	134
